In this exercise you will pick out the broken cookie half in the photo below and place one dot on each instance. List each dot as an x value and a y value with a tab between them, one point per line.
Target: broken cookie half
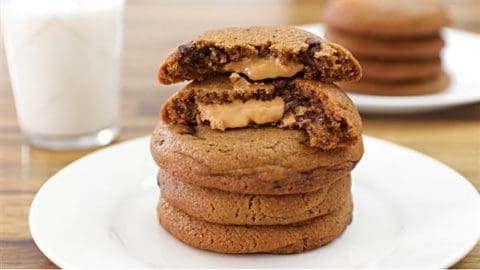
260	53
321	109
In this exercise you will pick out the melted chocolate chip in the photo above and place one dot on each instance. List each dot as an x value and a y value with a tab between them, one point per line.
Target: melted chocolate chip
292	101
320	120
185	48
292	104
313	46
299	118
310	115
312	41
280	84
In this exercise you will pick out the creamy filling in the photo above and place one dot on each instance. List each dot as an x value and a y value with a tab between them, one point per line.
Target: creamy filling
240	114
260	68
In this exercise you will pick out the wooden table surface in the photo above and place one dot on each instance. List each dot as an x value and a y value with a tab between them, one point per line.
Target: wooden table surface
152	29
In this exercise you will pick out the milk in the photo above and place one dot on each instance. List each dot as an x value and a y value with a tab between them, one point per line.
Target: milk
64	59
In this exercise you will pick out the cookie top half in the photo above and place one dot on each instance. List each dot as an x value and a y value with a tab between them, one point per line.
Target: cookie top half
260	53
387	18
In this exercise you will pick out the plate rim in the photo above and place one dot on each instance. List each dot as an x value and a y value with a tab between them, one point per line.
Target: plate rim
51	255
51	181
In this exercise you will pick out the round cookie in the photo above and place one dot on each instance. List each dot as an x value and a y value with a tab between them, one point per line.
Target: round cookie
369	47
254	239
400	71
265	160
230	208
434	85
387	18
210	54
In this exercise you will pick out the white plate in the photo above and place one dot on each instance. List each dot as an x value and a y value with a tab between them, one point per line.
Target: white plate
410	211
460	58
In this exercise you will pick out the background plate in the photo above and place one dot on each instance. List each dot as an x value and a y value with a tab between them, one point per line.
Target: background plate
460	59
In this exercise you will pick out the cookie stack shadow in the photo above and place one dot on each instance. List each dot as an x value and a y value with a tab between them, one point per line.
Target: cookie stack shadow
254	160
398	44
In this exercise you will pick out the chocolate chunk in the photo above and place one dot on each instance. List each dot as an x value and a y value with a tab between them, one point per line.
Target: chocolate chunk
280	84
320	120
292	104
186	48
312	41
310	115
299	118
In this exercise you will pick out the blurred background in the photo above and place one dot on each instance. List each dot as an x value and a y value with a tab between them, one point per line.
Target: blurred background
152	29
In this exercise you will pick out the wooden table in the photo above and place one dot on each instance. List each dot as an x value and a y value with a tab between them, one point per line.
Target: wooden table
152	29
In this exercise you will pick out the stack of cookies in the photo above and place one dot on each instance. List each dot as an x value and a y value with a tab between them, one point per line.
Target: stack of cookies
398	43
255	153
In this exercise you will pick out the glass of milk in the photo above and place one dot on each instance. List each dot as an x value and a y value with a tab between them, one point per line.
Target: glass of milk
64	59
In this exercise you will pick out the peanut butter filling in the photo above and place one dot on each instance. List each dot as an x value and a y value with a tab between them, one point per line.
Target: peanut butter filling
239	114
264	68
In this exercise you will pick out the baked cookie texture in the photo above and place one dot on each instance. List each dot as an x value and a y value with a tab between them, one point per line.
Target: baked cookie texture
387	18
418	87
265	160
255	153
221	207
401	71
324	111
210	53
398	43
254	239
367	47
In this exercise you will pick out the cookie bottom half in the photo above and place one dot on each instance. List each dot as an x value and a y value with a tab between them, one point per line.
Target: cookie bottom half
254	239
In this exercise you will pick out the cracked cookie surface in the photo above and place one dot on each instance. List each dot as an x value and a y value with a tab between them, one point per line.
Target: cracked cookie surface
210	54
255	239
230	208
252	161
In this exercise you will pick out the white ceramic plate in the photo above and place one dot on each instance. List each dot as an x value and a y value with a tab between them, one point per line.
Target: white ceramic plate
460	57
410	211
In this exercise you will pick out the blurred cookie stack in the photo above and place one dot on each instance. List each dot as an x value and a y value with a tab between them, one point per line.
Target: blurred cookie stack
398	43
255	153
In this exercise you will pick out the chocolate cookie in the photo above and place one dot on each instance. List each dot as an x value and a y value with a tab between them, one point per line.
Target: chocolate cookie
387	18
422	87
322	110
263	160
254	239
377	48
259	53
400	71
217	206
